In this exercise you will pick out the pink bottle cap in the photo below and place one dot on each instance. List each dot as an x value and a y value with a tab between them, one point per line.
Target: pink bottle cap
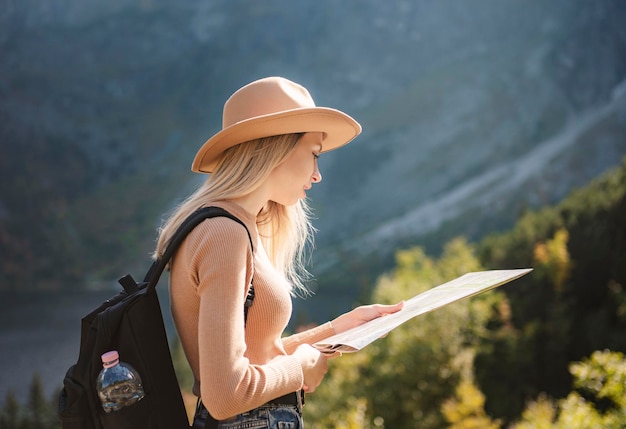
110	359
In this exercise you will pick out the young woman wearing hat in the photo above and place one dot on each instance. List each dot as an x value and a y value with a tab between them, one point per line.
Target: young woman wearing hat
261	164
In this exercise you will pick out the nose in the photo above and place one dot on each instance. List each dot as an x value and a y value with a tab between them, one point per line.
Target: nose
317	176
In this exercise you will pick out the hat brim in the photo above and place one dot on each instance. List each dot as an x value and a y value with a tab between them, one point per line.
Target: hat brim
338	128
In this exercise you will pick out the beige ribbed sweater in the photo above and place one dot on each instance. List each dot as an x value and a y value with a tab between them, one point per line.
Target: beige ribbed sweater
235	370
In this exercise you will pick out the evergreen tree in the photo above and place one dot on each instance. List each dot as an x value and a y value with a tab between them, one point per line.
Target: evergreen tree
10	417
570	306
37	410
39	413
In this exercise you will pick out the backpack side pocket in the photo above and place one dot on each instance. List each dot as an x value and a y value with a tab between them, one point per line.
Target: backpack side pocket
73	409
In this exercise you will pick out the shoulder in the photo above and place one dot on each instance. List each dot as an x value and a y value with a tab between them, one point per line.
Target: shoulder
219	232
216	251
215	245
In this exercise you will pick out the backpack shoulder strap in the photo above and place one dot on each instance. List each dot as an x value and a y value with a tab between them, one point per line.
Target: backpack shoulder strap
154	273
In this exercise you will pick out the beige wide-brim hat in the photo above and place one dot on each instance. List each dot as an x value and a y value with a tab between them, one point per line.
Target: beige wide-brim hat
269	107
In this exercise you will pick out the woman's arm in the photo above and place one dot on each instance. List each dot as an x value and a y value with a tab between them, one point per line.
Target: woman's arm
363	314
310	336
346	321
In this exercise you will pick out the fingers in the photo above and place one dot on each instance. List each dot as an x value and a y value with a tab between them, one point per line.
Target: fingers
389	309
377	310
363	314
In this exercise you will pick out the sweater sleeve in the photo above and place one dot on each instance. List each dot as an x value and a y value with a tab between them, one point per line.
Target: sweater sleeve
229	383
310	336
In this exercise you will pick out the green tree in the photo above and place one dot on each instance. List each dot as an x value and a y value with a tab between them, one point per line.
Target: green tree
10	417
516	341
538	414
552	260
467	409
572	304
339	401
598	401
39	412
402	380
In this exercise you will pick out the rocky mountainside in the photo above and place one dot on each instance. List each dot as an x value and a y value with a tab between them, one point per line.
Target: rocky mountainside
472	112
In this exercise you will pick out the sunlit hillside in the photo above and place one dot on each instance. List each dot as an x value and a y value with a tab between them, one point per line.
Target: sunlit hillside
471	114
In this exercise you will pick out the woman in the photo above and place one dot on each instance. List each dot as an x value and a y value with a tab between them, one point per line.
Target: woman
261	164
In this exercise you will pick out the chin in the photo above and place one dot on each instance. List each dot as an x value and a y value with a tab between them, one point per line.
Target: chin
288	203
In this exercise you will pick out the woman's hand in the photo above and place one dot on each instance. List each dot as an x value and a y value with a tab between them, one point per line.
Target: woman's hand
363	314
314	366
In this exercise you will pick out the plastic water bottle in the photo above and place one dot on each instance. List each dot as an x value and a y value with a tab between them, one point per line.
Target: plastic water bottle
118	383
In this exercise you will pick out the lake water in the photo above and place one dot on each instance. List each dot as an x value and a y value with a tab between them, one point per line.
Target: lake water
40	332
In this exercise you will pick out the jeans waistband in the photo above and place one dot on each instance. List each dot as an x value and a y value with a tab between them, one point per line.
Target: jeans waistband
294	398
202	418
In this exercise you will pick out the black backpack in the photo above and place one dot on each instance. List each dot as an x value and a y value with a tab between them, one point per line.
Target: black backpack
131	322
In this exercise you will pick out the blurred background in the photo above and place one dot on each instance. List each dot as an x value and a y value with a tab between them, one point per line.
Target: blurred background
494	136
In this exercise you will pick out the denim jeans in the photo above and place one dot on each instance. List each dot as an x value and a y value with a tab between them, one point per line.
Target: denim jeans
268	416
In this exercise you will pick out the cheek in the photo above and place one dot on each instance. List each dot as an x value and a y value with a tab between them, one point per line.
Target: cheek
300	168
288	173
297	168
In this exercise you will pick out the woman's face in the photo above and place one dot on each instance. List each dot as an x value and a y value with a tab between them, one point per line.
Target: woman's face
290	180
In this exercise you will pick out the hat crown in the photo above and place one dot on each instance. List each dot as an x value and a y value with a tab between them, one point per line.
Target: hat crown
265	97
269	107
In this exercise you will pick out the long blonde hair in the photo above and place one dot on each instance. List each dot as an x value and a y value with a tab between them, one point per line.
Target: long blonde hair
283	230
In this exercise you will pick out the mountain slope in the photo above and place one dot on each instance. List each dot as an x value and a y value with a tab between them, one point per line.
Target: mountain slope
102	106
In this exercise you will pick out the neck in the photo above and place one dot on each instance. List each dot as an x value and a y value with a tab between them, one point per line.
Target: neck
252	203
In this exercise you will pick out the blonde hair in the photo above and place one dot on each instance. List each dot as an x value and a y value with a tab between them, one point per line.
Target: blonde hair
283	230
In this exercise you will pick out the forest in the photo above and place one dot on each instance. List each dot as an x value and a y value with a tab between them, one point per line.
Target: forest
545	351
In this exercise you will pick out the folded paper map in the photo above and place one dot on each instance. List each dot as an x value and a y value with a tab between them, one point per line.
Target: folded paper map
467	285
